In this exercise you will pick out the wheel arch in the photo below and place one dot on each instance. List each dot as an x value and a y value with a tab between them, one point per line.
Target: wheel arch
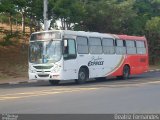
127	64
86	68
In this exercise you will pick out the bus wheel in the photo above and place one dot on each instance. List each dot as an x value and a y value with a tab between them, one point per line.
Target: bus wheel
126	73
54	82
82	76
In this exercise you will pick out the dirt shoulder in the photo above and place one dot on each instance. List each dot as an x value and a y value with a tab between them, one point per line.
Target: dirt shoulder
13	80
154	67
13	63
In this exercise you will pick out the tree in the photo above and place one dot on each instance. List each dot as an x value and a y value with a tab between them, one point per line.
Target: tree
153	34
68	11
99	16
22	7
8	7
35	14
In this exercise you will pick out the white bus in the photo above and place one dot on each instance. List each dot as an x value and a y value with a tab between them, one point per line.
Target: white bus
66	55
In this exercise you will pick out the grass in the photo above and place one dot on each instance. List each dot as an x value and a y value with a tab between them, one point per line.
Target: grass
153	67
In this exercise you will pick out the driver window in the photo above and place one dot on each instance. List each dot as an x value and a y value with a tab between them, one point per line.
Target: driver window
70	49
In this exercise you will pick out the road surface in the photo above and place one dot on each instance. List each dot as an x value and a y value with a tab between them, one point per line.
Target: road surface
139	94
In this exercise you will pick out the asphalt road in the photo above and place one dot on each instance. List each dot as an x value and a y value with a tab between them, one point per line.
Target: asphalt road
139	94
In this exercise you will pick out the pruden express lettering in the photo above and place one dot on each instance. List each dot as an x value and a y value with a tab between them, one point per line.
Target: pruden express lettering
95	61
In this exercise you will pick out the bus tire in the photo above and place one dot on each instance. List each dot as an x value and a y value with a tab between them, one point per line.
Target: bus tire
54	82
125	74
82	76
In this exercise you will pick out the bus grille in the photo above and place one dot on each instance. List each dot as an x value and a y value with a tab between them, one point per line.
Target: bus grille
46	75
43	67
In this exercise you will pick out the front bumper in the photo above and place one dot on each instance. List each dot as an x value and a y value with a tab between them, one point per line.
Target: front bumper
44	76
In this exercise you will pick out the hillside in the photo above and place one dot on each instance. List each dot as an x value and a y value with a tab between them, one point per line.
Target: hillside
13	54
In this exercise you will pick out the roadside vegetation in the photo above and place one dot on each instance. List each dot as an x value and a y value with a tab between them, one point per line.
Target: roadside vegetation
13	54
19	18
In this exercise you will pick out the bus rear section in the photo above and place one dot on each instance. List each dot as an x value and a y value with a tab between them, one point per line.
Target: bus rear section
136	55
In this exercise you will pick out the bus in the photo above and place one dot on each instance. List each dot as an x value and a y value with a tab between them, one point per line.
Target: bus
77	55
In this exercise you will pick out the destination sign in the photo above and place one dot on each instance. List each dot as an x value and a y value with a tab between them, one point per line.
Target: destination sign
45	36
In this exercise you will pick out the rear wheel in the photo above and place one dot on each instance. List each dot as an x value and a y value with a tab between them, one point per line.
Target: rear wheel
126	73
82	76
54	82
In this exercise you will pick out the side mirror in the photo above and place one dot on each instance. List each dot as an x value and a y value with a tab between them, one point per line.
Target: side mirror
65	48
65	43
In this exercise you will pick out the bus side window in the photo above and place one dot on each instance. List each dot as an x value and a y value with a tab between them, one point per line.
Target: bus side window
108	46
130	45
120	47
95	45
82	45
69	49
141	48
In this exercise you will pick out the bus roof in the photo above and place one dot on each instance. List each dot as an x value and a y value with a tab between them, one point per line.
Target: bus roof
88	34
79	33
95	34
127	37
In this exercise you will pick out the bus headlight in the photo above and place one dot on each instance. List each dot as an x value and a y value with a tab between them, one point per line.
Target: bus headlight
32	70
56	69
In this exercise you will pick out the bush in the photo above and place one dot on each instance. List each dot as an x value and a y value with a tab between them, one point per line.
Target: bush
7	40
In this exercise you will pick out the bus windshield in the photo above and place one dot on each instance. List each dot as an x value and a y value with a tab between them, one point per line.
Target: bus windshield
42	52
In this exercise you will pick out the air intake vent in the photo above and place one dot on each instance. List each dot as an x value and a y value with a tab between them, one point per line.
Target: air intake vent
43	67
46	75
